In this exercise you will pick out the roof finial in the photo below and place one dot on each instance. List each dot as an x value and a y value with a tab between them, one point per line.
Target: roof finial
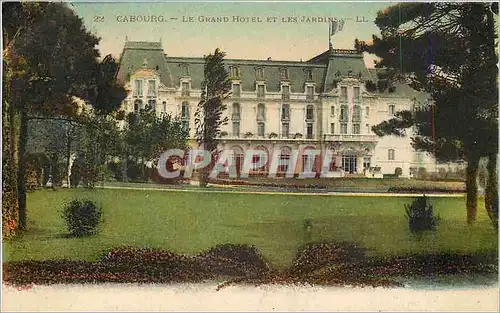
126	38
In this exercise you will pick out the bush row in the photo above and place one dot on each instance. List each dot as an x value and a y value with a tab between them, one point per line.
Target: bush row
320	263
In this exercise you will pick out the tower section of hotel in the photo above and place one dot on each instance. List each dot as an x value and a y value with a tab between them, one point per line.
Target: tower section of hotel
278	106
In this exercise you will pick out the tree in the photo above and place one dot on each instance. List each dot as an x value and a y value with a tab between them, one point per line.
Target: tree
215	88
448	51
146	136
49	58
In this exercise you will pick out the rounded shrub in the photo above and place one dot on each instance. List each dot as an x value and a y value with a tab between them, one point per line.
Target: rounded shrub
82	217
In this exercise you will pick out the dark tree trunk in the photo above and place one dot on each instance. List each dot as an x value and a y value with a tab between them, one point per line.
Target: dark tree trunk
491	190
471	186
21	179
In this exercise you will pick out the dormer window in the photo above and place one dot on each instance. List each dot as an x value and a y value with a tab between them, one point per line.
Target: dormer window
343	94
184	69
259	73
308	74
356	94
284	74
234	71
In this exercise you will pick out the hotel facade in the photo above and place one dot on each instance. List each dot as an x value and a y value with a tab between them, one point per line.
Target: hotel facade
319	104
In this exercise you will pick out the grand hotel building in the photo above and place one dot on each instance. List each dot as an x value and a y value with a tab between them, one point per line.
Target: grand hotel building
321	103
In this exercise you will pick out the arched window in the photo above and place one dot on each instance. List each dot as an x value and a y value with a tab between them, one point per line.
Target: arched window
261	112
151	104
137	105
390	154
367	111
164	108
310	112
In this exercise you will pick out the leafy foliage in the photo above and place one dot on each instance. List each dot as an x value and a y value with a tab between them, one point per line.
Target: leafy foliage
82	217
420	215
447	50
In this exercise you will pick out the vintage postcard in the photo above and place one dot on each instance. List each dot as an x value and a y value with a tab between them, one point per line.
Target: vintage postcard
249	156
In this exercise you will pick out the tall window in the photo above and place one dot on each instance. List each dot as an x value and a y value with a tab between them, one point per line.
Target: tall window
184	69
236	90
236	128
367	162
234	71
138	88
343	93
343	128
367	111
310	93
137	105
286	92
151	104
309	130
260	129
310	112
185	111
261	91
356	129
392	109
309	75
151	89
390	154
185	125
332	110
356	113
285	130
261	112
356	94
164	109
284	74
344	111
368	130
185	89
285	111
259	73
236	111
332	128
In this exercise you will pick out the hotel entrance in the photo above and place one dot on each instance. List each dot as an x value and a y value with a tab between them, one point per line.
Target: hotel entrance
349	163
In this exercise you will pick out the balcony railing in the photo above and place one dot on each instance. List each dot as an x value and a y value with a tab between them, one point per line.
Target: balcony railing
351	137
261	118
285	116
235	116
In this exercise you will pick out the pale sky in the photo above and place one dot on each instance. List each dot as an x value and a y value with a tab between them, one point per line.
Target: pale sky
272	34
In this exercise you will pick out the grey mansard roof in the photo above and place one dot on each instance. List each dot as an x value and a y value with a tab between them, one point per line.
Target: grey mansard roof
325	68
133	56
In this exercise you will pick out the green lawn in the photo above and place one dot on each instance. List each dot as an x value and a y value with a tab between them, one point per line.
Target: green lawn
190	222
